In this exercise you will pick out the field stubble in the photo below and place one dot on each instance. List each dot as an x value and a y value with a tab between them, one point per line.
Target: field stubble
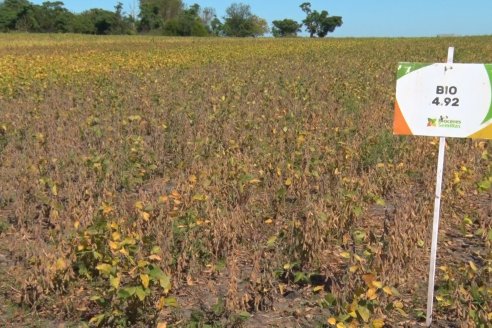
231	182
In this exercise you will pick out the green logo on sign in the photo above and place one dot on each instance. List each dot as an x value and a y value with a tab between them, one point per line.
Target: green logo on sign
443	122
432	122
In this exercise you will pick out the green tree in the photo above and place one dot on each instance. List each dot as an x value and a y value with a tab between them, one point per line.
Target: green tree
96	21
285	27
155	13
83	23
240	22
188	23
150	19
259	26
319	23
17	15
53	17
122	24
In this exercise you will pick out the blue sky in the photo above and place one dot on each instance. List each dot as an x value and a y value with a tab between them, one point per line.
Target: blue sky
361	18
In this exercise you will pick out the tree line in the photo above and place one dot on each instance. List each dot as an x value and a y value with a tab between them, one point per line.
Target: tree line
163	17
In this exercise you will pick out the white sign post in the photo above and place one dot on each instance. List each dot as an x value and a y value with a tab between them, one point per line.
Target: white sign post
435	222
443	100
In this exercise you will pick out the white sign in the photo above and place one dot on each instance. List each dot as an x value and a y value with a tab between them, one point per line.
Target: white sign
444	100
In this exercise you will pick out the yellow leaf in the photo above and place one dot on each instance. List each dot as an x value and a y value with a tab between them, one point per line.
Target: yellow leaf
192	179
198	198
456	179
377	284
160	304
387	290
145	280
115	281
76	224
467	220
281	288
55	214
116	236
364	313
124	251
371	293
268	221
54	190
378	323
162	325
104	268
318	289
60	264
134	118
380	202
155	257
114	246
473	266
40	138
345	255
165	283
175	194
145	216
288	182
332	321
341	325
142	263
254	181
96	320
139	205
106	208
353	268
398	304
